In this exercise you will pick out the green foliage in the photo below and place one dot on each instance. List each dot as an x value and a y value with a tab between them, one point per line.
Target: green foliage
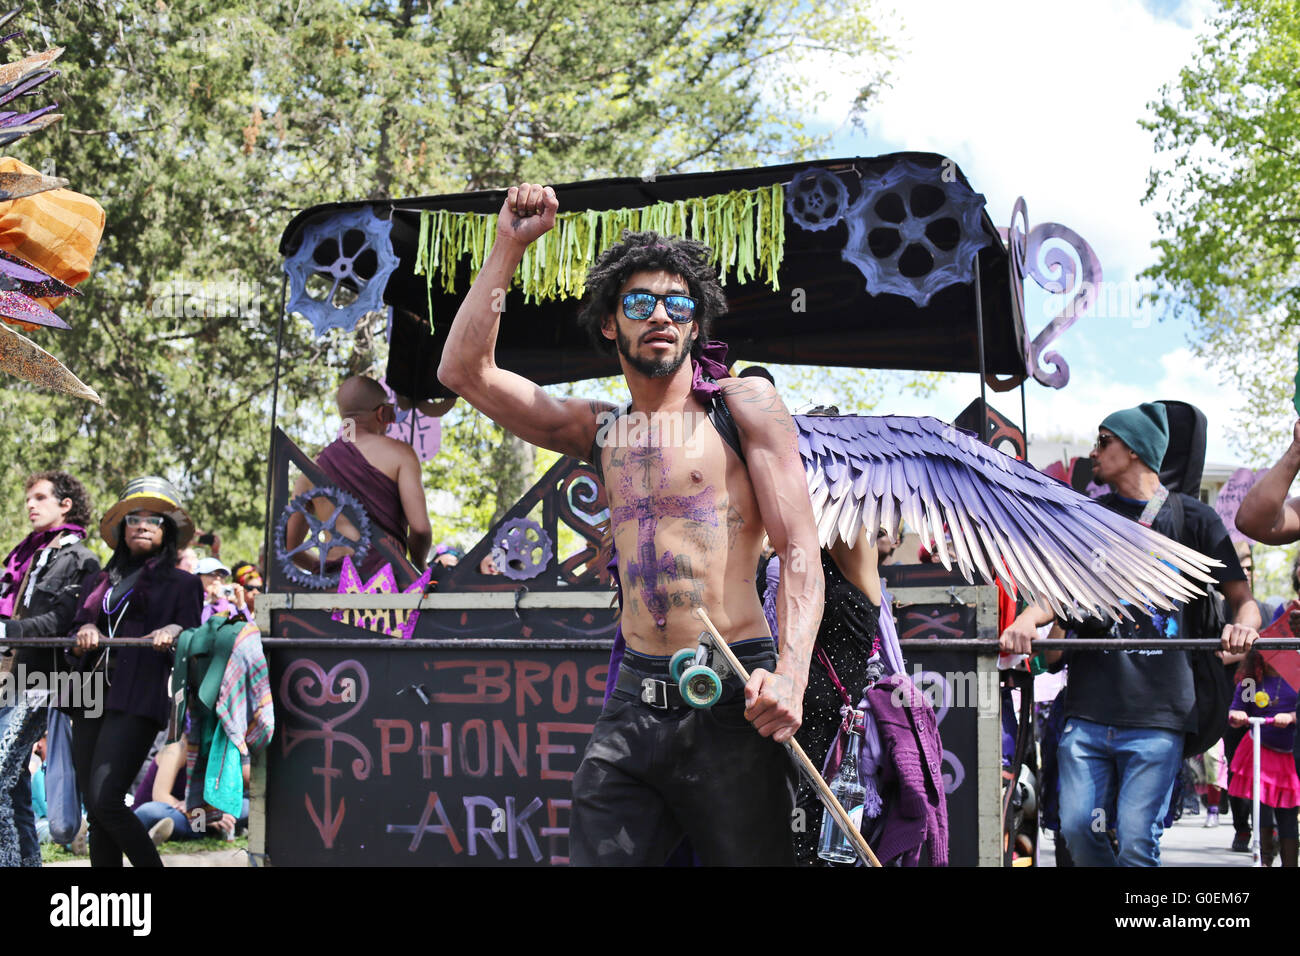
1227	199
203	127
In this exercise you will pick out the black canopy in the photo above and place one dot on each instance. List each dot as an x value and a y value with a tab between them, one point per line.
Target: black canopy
841	324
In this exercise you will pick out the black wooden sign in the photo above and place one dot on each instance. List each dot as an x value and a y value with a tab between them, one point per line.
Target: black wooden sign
426	758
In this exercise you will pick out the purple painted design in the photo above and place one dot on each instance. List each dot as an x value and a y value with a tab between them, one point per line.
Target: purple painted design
647	568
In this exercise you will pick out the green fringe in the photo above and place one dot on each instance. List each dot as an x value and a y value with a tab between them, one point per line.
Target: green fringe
744	229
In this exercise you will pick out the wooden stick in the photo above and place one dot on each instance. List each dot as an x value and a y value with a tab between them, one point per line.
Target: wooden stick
800	758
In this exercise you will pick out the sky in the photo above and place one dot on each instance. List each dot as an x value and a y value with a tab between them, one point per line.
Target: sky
1042	100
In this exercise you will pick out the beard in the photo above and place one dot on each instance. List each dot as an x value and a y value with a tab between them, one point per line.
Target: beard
652	367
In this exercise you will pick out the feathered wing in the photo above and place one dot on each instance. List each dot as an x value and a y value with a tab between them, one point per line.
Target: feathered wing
20	79
1005	519
23	283
22	357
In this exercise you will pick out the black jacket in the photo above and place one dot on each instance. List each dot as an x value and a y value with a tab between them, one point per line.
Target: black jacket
162	595
49	598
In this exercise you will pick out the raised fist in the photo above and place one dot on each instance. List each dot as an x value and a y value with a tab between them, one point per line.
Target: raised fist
528	213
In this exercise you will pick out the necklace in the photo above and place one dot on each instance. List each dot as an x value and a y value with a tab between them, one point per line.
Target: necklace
121	602
120	608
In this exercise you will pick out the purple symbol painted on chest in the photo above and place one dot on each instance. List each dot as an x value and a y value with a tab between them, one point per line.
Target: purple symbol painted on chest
647	570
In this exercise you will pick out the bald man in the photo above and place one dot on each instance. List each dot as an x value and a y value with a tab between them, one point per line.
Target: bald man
380	472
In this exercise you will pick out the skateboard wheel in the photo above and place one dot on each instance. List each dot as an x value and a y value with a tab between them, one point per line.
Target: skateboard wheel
700	686
680	661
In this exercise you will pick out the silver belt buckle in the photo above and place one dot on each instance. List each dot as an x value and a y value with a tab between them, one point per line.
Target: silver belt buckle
655	693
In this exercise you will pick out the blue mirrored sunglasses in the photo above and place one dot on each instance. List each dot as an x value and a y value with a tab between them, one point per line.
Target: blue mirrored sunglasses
639	306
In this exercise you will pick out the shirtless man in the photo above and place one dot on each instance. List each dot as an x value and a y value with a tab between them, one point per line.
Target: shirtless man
380	472
688	522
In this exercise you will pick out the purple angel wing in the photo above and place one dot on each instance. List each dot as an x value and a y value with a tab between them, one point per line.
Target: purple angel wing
15	305
1004	518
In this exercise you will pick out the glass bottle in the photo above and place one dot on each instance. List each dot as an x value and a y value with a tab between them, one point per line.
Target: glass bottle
835	846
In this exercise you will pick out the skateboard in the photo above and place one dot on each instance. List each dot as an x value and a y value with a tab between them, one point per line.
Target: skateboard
699	675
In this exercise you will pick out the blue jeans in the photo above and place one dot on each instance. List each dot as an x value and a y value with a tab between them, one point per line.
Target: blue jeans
1130	768
153	811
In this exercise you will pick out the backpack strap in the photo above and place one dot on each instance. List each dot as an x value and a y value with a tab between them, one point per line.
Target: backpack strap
593	457
1180	516
725	423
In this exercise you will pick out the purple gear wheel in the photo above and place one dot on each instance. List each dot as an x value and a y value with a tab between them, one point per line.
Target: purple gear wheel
949	266
328	237
816	199
321	536
524	551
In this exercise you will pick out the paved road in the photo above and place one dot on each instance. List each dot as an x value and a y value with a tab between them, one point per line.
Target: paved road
216	858
1187	843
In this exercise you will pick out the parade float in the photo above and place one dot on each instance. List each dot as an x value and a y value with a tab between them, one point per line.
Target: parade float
444	728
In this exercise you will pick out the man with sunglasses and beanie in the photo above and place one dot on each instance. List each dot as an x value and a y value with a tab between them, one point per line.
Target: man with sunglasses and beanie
1128	712
696	466
380	472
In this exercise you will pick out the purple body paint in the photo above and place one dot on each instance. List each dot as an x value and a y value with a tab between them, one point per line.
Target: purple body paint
648	569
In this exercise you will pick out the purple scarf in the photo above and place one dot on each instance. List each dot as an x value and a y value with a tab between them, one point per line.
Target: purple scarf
709	367
19	561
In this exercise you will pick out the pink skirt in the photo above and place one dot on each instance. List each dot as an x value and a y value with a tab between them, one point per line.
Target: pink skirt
1279	786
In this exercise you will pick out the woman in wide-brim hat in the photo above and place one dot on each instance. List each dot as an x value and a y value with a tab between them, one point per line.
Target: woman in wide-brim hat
125	700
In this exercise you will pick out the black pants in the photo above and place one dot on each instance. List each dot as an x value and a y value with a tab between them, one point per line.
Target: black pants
650	777
1284	819
108	751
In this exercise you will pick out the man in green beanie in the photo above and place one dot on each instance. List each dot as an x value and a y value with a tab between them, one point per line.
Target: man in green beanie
1127	713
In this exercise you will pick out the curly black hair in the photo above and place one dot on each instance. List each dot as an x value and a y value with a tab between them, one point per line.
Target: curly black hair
65	486
649	251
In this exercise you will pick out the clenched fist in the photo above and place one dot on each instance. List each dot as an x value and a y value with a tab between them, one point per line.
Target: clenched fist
528	213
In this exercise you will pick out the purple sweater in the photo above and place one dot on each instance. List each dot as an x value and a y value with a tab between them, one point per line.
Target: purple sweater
916	817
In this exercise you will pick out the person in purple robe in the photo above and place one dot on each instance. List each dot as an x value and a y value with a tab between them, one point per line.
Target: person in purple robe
382	473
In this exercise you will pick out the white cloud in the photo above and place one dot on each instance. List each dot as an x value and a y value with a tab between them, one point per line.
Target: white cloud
1040	100
1091	395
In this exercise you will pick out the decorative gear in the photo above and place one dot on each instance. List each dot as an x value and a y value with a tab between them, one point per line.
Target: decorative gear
321	536
816	199
329	249
525	549
912	232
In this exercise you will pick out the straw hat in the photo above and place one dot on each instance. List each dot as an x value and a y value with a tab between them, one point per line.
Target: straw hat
148	494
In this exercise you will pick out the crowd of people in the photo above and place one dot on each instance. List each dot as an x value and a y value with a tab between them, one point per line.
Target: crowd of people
117	696
659	775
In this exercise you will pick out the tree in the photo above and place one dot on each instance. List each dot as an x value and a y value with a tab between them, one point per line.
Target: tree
203	127
1227	200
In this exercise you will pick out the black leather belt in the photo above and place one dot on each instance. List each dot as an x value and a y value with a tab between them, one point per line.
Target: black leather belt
661	694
